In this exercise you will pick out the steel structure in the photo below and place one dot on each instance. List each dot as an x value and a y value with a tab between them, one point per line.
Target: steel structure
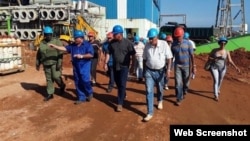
225	22
27	21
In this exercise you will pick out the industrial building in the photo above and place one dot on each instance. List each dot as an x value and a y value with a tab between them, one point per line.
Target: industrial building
137	17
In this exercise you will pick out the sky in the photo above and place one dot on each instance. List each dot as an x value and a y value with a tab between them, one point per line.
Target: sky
200	13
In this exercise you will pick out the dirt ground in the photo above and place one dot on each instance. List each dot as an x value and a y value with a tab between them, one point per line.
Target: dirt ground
24	115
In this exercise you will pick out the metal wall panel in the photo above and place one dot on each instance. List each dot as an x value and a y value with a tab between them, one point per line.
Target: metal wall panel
111	7
136	9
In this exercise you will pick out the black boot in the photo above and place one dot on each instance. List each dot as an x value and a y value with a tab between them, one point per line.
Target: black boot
62	89
50	96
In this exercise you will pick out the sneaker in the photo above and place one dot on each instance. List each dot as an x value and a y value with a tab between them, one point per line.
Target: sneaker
166	87
148	117
50	96
78	102
216	98
109	90
119	108
89	98
160	105
178	103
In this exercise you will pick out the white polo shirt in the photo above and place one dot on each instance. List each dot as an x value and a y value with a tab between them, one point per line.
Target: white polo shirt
156	56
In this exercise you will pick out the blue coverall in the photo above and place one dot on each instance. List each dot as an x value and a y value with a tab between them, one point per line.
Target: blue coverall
81	69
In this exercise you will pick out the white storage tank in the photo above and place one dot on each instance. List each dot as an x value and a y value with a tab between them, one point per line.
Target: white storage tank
246	28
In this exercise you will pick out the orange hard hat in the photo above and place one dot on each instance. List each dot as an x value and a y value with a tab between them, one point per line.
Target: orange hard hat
169	38
110	35
178	32
91	33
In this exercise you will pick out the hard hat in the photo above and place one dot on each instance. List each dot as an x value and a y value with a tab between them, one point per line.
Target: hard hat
91	33
78	33
222	39
152	33
117	29
178	32
186	35
136	39
163	36
110	35
169	38
47	30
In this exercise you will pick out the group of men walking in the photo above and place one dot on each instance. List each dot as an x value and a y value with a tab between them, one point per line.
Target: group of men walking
153	61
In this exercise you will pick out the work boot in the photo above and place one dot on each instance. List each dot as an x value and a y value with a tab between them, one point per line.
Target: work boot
62	89
50	96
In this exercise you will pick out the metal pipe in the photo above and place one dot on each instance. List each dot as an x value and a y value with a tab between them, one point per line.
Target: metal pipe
19	2
8	24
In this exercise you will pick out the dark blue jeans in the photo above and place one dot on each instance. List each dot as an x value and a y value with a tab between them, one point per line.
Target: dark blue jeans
121	77
111	77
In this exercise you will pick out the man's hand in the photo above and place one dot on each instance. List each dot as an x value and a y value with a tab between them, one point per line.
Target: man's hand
58	67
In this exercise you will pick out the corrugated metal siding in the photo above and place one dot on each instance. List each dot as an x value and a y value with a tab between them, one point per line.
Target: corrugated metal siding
149	10
156	16
122	11
136	9
111	7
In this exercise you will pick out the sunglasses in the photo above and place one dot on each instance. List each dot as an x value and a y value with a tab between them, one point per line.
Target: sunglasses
151	38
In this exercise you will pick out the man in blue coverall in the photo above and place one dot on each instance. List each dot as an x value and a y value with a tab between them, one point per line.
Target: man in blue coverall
81	53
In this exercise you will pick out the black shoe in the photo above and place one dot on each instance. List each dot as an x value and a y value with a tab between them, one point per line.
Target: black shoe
78	102
140	80
50	96
93	83
62	89
89	98
109	90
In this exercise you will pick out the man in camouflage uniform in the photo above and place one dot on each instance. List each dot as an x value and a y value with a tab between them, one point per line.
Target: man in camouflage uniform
51	59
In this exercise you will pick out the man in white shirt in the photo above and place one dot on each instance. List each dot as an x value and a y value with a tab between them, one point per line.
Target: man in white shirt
156	55
139	47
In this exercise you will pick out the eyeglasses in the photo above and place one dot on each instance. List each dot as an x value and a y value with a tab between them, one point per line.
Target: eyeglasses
151	38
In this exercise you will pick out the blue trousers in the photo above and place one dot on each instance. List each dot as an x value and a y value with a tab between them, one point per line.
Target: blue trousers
111	77
181	81
152	78
121	77
83	83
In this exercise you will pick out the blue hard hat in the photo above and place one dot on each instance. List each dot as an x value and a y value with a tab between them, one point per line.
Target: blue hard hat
152	33
47	30
78	33
136	39
186	35
222	39
163	36
117	29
